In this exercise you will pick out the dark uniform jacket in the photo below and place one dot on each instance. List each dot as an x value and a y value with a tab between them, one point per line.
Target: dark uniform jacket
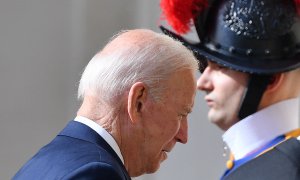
280	163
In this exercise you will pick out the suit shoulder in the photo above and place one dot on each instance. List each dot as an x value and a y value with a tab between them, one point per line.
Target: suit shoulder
95	170
64	155
67	149
291	149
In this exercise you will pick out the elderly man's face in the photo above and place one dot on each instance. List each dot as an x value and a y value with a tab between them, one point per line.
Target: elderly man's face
224	88
166	122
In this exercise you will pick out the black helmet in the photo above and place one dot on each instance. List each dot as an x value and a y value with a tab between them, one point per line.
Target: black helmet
255	36
260	37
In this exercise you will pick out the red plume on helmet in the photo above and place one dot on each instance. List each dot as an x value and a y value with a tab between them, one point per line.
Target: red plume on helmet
297	2
180	13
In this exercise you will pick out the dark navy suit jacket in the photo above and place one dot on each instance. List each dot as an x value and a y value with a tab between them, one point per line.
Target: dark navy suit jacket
78	152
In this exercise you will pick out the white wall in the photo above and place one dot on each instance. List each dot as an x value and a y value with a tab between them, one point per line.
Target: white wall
44	45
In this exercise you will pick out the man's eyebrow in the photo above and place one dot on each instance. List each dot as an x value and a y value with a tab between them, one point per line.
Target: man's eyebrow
188	109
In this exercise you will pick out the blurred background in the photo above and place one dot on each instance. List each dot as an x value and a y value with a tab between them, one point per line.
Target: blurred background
44	46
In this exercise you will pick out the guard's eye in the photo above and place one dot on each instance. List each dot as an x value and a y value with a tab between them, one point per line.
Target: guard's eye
219	67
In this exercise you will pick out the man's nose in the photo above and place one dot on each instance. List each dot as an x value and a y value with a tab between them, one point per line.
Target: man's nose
204	82
182	135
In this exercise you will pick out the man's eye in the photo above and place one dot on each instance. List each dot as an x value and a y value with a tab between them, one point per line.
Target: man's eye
182	116
220	67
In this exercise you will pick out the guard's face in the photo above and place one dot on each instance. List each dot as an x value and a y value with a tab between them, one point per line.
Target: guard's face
165	122
224	89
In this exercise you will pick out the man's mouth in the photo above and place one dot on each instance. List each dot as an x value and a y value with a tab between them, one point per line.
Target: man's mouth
166	151
209	102
165	154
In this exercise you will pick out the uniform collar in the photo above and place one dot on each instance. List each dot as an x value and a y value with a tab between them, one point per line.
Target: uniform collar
262	127
103	133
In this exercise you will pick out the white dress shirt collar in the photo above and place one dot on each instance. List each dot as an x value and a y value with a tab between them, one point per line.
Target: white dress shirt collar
261	127
102	132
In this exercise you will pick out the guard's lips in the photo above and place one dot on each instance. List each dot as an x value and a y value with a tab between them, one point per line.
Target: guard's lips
209	101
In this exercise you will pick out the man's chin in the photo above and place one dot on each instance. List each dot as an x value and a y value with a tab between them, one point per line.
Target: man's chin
153	169
149	170
217	120
212	117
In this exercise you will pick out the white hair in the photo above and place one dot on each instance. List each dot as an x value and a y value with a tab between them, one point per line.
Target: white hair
151	60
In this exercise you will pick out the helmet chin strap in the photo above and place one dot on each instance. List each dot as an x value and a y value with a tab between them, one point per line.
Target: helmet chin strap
257	85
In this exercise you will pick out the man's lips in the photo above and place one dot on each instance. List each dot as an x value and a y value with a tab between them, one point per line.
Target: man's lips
209	102
166	151
165	154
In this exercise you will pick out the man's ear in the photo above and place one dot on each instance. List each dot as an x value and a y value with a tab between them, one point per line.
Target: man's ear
136	99
275	83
